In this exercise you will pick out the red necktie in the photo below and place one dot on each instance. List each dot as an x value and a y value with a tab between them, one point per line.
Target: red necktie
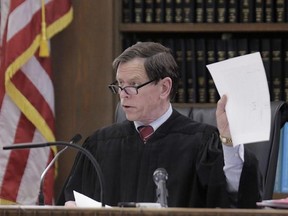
145	132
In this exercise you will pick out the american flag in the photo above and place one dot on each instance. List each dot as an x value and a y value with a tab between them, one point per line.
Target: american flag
27	95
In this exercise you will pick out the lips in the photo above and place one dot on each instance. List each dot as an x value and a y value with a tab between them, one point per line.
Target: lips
129	108
125	106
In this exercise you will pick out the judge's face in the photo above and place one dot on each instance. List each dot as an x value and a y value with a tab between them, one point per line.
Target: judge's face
152	99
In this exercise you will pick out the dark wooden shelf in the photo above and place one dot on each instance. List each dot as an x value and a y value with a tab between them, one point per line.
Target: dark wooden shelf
203	27
194	105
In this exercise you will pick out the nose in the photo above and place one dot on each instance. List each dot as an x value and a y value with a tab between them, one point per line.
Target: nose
123	94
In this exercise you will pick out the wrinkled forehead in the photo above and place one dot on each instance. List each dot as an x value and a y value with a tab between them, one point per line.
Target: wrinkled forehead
133	68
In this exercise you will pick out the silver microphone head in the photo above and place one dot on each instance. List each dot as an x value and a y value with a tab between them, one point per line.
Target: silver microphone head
160	174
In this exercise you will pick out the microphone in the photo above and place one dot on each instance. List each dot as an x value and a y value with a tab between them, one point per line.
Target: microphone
160	176
41	198
70	144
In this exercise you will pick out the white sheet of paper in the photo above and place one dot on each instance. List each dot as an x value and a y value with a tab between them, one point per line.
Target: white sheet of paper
84	201
244	81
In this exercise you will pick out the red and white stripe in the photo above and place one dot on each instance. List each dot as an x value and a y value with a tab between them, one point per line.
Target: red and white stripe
27	97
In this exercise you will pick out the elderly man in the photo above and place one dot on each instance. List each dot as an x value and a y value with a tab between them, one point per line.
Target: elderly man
204	169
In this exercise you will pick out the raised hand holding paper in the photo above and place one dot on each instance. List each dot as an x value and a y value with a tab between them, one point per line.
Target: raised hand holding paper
244	81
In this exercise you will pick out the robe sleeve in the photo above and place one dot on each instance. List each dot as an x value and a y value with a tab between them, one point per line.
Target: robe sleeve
251	182
210	173
213	180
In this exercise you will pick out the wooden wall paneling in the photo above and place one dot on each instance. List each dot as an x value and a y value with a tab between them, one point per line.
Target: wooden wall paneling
81	58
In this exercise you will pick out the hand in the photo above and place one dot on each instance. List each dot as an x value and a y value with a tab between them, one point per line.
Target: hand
70	204
221	118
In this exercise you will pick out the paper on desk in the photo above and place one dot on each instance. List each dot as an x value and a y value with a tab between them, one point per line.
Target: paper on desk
84	201
244	81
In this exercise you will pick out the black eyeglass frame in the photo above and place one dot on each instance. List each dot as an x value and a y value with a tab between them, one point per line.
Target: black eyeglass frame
113	85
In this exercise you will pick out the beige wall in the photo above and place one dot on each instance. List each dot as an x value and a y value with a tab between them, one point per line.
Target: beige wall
81	59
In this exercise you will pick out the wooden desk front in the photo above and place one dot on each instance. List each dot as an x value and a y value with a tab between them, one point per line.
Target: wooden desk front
64	211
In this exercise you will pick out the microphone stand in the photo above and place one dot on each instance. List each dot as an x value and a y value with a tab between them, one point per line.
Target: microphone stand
41	199
80	148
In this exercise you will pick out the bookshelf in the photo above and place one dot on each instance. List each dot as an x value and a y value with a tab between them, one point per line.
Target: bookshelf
253	21
203	28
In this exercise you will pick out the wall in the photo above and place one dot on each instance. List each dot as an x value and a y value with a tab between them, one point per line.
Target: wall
81	59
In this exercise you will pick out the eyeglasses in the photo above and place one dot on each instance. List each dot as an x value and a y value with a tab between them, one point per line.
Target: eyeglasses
130	90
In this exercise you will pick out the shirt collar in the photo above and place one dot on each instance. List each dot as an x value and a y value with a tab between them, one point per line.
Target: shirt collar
158	122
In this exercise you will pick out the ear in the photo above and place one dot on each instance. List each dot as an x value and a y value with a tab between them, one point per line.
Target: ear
166	86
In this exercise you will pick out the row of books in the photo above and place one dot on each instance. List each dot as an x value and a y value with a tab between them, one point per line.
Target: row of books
193	54
281	179
204	11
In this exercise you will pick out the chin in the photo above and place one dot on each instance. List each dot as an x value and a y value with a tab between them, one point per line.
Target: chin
130	117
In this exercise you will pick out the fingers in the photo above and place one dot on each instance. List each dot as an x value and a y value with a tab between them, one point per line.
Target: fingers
221	117
221	105
70	204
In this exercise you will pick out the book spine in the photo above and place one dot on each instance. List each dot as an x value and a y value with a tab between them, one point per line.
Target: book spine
286	11
149	11
200	11
233	12
184	69
242	46
159	9
127	11
254	45
210	11
221	50
201	71
211	58
221	55
231	48
178	11
259	11
170	43
279	11
246	11
188	11
138	11
169	11
221	11
180	59
191	71
266	58
276	69
269	11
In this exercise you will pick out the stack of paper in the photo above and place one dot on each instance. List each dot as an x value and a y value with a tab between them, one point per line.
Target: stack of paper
277	203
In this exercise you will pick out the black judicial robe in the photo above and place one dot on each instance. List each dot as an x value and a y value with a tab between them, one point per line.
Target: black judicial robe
190	152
